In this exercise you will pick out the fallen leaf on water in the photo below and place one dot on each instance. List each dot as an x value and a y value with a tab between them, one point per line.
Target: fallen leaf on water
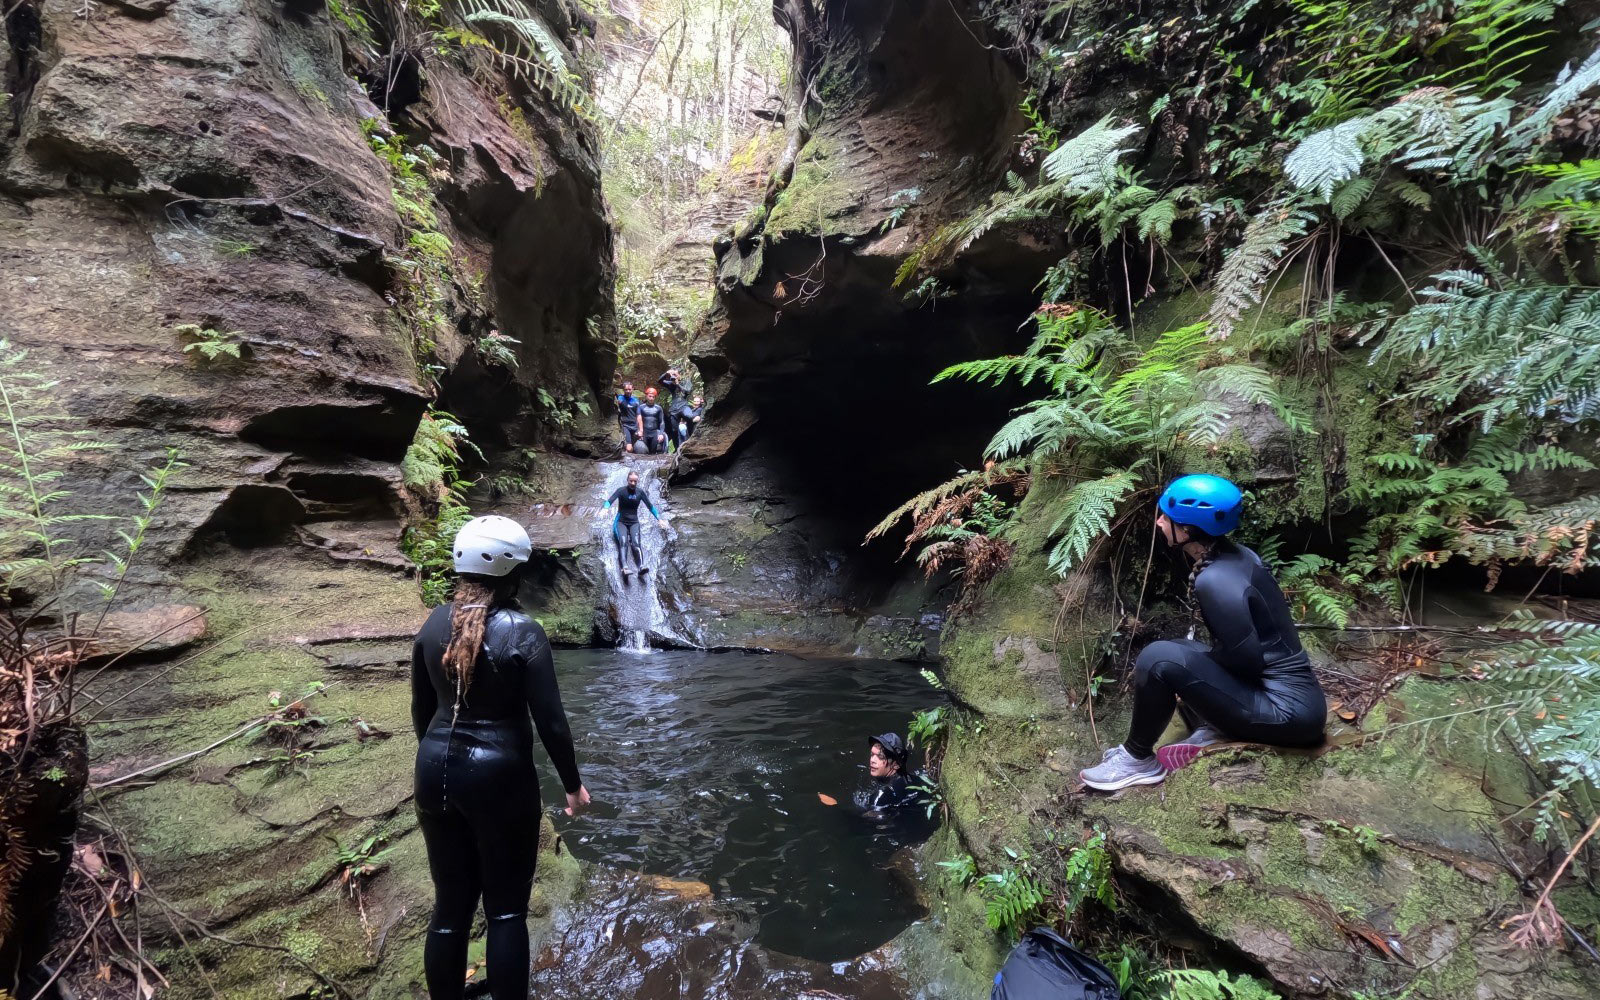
827	800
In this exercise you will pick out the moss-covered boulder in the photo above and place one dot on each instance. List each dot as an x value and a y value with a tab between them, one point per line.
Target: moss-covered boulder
1378	863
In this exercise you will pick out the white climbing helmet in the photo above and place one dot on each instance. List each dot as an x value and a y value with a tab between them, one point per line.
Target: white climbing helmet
491	546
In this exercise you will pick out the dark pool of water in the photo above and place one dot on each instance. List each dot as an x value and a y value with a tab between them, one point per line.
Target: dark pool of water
707	766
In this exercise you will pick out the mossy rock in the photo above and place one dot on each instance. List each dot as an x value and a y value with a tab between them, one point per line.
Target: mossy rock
819	196
1363	868
242	839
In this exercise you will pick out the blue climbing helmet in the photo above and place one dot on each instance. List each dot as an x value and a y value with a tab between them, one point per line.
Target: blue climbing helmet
1209	503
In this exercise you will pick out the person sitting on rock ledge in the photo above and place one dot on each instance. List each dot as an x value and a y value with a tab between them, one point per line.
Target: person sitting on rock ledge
1253	683
689	419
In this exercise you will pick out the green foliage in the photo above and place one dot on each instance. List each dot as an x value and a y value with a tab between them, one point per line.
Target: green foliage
519	41
157	481
1571	195
1247	266
928	727
1318	589
1115	414
1548	687
960	870
495	348
1366	838
1516	348
1201	984
1081	173
210	344
36	450
564	412
433	458
360	859
1014	899
432	468
1088	876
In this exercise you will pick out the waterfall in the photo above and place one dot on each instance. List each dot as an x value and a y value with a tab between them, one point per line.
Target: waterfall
637	600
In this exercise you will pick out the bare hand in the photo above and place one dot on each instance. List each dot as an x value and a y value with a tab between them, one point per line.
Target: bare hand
577	802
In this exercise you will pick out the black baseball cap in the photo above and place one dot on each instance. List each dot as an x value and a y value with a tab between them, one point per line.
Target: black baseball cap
892	745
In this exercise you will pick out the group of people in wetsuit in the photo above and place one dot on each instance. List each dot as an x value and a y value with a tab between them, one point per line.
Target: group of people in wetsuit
648	426
483	681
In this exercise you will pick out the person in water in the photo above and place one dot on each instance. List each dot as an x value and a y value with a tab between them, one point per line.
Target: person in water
1253	683
628	416
652	423
894	784
678	388
482	680
625	527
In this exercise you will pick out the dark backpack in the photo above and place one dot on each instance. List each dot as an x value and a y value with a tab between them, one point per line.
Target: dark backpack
1043	966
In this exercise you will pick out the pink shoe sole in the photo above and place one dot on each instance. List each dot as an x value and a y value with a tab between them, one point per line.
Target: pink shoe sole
1178	756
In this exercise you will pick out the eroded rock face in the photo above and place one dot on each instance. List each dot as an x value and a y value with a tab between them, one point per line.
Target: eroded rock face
172	165
818	367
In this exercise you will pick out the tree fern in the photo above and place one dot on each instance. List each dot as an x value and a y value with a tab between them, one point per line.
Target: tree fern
1087	162
1571	195
1085	515
1528	348
1571	84
1549	686
1266	239
1328	158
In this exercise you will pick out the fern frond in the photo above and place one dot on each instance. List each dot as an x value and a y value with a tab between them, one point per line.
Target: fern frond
1266	240
1571	84
1087	162
1326	159
1085	515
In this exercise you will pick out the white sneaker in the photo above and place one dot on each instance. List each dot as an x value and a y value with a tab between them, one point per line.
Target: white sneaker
1119	769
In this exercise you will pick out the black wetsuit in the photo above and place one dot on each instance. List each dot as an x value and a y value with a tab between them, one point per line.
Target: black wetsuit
678	390
691	419
477	795
625	527
896	792
655	420
1255	683
627	417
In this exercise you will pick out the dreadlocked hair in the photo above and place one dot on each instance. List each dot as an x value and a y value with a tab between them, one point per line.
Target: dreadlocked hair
473	601
1199	567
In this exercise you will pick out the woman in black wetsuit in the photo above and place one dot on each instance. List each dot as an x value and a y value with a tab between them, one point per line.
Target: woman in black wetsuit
1253	683
482	679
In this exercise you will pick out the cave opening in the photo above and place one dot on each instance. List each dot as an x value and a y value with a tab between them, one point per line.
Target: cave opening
851	428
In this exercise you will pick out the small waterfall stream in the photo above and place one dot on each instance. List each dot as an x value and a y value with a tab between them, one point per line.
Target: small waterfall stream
640	614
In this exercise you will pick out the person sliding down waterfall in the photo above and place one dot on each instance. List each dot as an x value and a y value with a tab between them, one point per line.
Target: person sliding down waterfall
1254	683
482	680
625	527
